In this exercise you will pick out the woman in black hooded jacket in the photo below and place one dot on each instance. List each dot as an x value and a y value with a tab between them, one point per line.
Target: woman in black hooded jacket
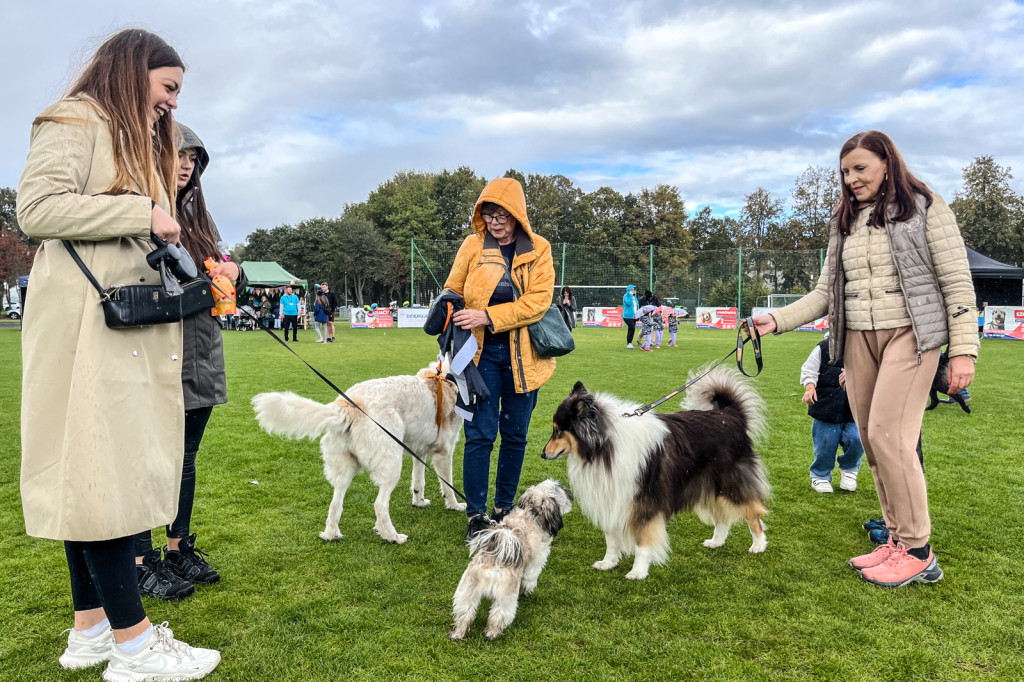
204	385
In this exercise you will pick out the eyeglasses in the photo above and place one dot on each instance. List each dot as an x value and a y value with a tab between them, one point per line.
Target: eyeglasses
500	218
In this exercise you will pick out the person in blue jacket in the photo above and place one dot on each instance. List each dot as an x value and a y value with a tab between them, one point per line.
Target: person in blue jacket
629	308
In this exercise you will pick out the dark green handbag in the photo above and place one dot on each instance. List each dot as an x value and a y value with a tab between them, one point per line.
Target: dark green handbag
550	336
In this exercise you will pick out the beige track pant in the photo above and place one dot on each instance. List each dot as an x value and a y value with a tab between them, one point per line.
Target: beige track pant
888	391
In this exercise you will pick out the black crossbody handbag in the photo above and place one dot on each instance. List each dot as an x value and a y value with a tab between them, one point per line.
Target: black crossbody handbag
145	305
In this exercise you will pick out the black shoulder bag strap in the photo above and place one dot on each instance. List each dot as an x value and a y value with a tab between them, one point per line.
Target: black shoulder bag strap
85	270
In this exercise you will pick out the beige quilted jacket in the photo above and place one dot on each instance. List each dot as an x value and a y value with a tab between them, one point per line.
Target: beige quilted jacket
873	296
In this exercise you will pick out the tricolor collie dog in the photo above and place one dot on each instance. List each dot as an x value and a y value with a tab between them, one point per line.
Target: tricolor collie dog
630	475
350	442
508	558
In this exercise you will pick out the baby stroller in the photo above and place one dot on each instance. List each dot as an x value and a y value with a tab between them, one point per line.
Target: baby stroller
243	321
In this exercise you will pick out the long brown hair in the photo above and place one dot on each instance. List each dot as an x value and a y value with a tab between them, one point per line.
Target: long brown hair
197	233
117	79
898	188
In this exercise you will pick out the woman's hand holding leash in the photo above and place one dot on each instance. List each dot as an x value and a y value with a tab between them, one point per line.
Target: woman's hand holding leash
226	269
765	324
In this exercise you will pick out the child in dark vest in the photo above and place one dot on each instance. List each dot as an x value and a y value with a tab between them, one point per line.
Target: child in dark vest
833	422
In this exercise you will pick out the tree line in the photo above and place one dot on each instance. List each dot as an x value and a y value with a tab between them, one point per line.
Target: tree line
366	247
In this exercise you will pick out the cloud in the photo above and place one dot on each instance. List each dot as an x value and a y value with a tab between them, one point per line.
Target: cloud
307	105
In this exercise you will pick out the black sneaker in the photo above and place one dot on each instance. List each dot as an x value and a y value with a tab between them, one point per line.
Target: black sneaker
156	581
497	516
189	563
477	525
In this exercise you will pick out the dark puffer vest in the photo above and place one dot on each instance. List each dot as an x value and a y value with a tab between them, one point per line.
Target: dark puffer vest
832	405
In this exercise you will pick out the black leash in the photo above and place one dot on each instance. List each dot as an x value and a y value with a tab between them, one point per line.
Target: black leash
753	336
356	405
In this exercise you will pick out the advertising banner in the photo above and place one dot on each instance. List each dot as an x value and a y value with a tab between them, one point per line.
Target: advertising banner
377	319
602	317
819	325
1004	322
716	318
412	317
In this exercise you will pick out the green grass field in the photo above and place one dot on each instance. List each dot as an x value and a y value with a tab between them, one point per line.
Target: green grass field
292	607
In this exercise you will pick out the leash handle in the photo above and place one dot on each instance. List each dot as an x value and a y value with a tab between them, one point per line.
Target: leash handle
754	337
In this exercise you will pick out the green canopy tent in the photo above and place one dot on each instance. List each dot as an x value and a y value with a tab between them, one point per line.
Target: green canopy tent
270	274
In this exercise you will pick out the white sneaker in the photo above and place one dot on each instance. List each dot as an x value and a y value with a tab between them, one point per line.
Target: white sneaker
164	658
83	651
820	485
629	346
848	480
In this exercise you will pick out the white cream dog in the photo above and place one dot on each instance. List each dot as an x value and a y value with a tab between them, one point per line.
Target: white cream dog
508	558
350	442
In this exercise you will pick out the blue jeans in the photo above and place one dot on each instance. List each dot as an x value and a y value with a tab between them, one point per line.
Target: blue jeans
827	438
511	418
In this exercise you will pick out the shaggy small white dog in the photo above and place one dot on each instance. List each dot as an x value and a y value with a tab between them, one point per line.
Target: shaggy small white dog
350	442
508	558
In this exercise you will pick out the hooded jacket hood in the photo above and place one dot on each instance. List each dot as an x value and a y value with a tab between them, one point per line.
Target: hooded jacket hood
507	193
187	139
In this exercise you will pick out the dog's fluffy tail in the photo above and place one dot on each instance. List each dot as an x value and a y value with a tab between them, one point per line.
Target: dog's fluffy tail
290	415
723	388
501	544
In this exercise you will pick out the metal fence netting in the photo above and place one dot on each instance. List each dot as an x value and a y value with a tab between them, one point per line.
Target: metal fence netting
598	275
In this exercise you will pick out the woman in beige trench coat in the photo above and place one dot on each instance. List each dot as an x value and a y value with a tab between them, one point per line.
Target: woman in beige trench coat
102	412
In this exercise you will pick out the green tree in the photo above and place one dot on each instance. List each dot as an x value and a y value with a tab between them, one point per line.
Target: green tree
710	232
761	219
816	193
990	214
404	207
362	253
455	195
550	203
605	209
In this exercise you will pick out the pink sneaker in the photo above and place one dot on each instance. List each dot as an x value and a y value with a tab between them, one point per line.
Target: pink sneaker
877	557
657	346
902	568
645	349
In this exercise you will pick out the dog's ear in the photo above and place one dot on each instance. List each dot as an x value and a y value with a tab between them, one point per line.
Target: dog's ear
585	408
579	388
551	518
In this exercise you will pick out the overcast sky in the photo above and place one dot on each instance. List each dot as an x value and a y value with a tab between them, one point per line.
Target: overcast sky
307	104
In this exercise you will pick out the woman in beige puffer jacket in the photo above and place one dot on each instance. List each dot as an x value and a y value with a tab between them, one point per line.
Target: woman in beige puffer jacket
896	286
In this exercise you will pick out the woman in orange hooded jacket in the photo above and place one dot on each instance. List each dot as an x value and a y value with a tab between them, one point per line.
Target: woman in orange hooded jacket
505	274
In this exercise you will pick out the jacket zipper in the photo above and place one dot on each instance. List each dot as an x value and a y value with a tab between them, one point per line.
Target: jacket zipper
871	278
519	354
517	343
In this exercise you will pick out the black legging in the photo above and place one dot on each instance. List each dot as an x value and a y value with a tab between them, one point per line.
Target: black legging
195	426
103	575
630	328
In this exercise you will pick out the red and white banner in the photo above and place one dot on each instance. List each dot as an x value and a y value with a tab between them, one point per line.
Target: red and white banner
1004	322
376	319
716	318
819	325
602	317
